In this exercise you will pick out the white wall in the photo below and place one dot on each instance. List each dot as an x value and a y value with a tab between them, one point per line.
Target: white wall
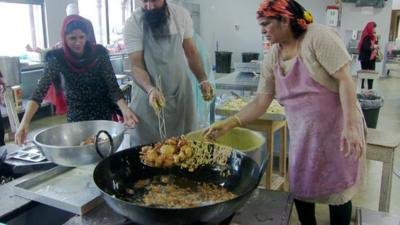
396	4
218	20
219	17
317	8
55	14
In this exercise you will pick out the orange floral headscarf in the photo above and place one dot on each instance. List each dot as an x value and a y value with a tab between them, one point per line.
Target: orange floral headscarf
285	8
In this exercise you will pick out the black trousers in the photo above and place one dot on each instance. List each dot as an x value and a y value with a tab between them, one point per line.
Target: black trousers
338	214
367	65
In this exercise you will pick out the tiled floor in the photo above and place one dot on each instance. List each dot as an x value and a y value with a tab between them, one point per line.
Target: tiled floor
389	120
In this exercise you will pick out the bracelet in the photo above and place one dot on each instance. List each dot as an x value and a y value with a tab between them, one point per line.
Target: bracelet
151	90
203	82
238	119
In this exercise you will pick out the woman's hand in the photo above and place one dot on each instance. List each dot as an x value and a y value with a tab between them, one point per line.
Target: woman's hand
21	133
130	118
207	90
352	143
156	100
220	128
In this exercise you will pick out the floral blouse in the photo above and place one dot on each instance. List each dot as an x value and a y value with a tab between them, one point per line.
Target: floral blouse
90	95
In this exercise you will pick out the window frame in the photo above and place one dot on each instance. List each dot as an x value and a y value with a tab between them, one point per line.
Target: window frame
131	2
42	9
107	18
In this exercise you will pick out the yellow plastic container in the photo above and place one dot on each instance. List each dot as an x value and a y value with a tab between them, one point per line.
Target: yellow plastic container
241	139
244	140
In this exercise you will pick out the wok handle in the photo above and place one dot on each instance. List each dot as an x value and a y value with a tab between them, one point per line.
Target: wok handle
96	143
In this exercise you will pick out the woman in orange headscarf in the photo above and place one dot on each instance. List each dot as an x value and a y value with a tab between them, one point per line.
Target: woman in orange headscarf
307	70
367	48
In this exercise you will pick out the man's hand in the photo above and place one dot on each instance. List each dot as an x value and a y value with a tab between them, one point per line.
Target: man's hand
156	100
207	90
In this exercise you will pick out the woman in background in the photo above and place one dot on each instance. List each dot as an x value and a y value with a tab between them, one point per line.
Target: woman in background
367	48
83	70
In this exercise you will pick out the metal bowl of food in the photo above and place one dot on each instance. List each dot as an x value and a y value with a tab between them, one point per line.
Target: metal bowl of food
80	143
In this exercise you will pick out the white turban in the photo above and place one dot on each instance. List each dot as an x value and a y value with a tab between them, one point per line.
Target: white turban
72	9
176	2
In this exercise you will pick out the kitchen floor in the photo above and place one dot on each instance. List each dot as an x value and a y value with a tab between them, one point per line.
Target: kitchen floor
389	120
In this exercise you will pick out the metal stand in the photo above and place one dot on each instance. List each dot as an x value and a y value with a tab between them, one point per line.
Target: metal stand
11	110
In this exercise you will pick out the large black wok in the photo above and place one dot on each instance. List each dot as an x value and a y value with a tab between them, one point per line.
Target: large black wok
123	169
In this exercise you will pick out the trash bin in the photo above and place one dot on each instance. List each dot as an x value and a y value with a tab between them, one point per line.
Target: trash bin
248	56
223	62
370	105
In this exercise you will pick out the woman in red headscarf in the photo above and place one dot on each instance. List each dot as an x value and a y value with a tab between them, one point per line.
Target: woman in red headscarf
367	48
81	70
307	70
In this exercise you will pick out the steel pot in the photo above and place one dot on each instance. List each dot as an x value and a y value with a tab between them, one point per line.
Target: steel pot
61	143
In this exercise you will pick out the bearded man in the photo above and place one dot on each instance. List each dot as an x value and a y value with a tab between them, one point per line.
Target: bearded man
158	39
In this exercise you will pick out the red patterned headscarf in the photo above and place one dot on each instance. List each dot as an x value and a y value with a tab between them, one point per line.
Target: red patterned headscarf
285	8
55	93
367	32
89	59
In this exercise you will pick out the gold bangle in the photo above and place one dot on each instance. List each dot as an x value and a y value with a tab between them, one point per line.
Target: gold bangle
238	119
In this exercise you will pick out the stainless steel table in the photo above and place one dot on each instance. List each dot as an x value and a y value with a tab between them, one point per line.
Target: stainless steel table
238	81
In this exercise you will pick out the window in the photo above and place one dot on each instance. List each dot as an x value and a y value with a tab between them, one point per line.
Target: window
108	17
119	11
95	11
21	29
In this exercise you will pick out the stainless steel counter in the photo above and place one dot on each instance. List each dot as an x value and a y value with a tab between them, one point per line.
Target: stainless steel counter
31	66
238	81
257	211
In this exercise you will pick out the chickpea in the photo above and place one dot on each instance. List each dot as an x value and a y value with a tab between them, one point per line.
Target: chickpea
167	150
168	162
187	150
151	155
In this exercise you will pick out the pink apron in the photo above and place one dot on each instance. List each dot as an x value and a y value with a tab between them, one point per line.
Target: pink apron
317	167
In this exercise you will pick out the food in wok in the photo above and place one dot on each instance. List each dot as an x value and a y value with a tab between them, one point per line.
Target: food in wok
180	151
118	176
168	191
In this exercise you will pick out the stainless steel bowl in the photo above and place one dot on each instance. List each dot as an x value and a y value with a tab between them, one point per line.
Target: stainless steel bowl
61	143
